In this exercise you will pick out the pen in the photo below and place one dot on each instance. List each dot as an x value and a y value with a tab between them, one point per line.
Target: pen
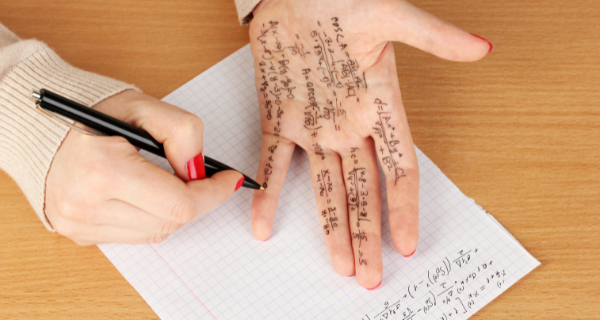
107	125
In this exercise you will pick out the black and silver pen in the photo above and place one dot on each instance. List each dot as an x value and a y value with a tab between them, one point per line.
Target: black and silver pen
107	125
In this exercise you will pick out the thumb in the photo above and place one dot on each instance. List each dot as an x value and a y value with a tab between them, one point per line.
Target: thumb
212	192
179	131
403	22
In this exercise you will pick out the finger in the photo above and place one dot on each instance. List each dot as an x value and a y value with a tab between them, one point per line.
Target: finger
142	184
402	21
117	213
179	131
330	193
364	211
275	157
88	234
398	159
171	199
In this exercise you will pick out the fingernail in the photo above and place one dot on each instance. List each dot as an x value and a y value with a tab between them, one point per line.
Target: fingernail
410	255
195	167
239	183
486	40
377	286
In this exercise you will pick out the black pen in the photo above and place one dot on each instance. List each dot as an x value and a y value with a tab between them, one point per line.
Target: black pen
107	125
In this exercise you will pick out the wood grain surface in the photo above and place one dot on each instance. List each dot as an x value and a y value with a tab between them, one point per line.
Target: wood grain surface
519	132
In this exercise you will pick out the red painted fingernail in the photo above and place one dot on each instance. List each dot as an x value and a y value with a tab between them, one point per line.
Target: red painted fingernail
410	255
239	183
377	286
486	40
195	168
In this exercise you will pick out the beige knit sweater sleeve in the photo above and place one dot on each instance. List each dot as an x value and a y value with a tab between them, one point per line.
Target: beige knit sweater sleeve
28	138
244	10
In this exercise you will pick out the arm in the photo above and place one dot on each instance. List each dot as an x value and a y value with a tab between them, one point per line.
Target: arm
96	189
29	139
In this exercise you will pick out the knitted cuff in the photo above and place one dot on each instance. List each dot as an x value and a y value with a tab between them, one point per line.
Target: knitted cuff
244	10
28	138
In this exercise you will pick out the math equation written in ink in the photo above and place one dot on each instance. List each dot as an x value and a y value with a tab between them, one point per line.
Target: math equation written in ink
447	291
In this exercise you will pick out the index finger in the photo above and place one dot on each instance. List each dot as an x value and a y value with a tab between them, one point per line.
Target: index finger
158	192
276	154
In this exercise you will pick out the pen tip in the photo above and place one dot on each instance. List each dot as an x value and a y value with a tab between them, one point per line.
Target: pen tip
261	188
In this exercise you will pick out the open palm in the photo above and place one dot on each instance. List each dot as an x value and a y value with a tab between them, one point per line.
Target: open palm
326	81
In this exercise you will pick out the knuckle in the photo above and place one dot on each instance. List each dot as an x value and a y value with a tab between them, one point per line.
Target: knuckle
156	238
183	211
79	214
223	190
62	229
409	172
69	211
217	193
70	206
220	194
189	123
169	227
68	232
61	206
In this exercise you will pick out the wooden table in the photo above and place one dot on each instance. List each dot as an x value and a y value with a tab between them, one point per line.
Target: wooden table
519	132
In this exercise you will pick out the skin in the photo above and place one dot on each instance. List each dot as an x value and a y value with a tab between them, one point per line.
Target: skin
100	190
287	39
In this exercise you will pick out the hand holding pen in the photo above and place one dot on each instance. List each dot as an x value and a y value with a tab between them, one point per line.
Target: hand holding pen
100	190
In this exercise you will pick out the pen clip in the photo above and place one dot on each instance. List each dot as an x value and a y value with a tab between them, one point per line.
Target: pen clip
52	115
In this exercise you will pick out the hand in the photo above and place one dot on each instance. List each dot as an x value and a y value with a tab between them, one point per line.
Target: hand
326	81
99	189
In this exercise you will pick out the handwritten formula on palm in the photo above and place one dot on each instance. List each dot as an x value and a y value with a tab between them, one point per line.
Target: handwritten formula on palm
318	89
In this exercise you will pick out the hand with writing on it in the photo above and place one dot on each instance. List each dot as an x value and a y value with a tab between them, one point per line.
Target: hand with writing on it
99	189
326	81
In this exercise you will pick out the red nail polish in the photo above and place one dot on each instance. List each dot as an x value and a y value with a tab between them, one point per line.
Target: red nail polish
486	40
410	255
195	168
239	183
377	286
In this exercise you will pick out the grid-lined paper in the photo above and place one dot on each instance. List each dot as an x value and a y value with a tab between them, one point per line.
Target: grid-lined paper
214	268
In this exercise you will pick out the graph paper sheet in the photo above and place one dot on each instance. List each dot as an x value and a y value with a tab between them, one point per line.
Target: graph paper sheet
214	268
